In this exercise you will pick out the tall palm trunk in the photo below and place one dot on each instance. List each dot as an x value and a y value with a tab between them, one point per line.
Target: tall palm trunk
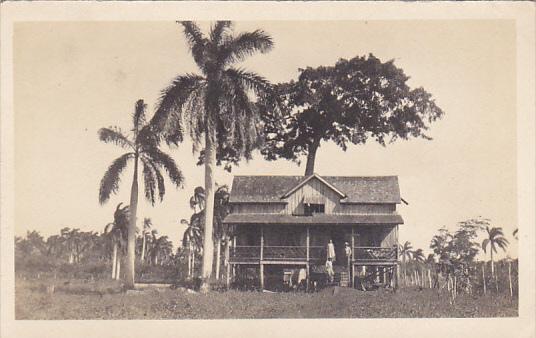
131	245
114	260
208	249
311	156
143	248
193	263
118	268
190	260
218	257
492	265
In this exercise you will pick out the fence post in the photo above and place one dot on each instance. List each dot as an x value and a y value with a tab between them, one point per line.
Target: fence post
484	276
510	278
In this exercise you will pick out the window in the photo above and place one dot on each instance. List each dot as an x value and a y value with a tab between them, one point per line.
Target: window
312	208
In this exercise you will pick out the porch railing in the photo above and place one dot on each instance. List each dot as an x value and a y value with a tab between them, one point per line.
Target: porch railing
368	253
274	252
316	253
245	253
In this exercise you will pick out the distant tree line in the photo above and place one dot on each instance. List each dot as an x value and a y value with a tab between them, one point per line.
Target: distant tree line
452	263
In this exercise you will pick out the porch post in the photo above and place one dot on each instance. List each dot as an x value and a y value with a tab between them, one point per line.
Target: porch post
353	258
261	265
234	250
228	261
307	258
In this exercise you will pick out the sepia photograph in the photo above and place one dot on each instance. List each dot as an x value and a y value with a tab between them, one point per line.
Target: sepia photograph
206	167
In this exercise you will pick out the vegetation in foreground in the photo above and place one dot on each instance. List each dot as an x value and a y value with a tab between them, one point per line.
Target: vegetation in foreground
105	300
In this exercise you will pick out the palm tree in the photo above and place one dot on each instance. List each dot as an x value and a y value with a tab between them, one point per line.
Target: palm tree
198	199
161	248
142	147
192	240
418	256
117	231
495	239
147	223
215	106
406	253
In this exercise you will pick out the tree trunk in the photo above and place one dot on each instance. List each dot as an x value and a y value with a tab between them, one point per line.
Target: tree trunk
311	156
218	257
492	265
114	260
190	260
208	245
131	245
510	278
484	276
143	248
118	269
193	264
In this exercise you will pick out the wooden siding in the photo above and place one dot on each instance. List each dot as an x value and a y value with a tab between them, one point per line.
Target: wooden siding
315	189
258	208
349	209
376	236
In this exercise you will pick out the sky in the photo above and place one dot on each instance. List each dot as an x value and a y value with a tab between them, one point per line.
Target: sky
72	78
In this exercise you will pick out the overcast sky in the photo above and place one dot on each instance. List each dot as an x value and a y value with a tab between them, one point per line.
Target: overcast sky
73	78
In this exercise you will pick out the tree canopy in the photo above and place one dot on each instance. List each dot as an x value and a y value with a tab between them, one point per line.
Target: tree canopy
349	103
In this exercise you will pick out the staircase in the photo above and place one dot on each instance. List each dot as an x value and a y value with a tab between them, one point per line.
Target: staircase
342	279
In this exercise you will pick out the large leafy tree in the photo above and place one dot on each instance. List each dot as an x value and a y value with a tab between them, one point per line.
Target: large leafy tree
215	107
349	103
142	149
495	239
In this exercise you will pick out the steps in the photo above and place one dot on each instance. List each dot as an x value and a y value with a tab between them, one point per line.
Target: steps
342	279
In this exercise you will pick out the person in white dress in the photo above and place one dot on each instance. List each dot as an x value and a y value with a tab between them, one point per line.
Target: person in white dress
331	251
329	270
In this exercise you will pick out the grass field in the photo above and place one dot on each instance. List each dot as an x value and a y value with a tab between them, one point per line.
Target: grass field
77	299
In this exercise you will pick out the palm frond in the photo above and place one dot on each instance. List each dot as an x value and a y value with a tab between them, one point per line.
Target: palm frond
165	161
236	49
485	244
138	118
249	80
114	135
196	41
111	179
168	116
217	31
149	182
159	178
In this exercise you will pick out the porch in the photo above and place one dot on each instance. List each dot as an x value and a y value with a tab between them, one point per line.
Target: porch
305	246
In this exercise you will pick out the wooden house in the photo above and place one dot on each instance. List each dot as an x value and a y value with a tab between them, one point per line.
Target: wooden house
283	222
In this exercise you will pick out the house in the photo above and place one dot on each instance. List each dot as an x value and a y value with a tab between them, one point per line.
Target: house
285	222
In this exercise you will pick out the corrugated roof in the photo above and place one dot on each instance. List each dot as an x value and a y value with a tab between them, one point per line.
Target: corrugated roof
358	189
315	219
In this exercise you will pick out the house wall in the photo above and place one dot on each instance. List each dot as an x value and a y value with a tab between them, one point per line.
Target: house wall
376	235
259	208
313	188
364	208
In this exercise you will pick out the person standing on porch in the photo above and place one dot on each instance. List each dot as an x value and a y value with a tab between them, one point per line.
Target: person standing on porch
331	251
329	270
348	252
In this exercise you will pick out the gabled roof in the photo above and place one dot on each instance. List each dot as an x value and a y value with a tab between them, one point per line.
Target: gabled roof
357	189
307	179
